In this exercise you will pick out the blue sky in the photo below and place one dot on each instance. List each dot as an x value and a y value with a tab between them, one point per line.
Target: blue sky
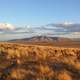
39	12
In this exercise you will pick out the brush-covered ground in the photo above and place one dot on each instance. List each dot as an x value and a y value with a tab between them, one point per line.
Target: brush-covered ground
36	62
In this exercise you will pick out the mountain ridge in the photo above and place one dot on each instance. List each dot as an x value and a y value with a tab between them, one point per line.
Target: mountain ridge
43	39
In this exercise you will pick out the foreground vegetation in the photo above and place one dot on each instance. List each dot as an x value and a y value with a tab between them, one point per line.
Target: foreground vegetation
32	62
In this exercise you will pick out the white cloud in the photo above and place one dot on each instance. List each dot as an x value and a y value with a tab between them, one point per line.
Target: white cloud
66	23
8	31
6	26
71	35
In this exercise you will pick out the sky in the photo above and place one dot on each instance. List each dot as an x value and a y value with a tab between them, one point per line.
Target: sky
26	18
39	12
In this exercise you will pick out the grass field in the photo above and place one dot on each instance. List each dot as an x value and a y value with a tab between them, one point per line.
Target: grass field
38	62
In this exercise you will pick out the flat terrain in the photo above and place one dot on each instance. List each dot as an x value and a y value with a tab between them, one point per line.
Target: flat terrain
38	62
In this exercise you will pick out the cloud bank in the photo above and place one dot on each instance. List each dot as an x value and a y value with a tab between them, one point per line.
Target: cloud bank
70	30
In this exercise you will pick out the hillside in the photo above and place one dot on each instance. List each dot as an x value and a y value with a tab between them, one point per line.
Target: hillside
46	40
38	62
43	39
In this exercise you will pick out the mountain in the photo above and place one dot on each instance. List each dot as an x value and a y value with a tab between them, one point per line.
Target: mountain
43	39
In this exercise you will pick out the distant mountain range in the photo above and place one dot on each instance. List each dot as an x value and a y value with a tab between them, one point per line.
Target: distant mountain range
45	39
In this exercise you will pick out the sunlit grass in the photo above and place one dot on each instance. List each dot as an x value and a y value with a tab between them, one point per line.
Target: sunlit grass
34	62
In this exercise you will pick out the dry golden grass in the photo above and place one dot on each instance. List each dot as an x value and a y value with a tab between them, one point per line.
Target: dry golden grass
34	62
64	75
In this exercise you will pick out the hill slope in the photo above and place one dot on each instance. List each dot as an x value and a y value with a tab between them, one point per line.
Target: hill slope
44	39
54	41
